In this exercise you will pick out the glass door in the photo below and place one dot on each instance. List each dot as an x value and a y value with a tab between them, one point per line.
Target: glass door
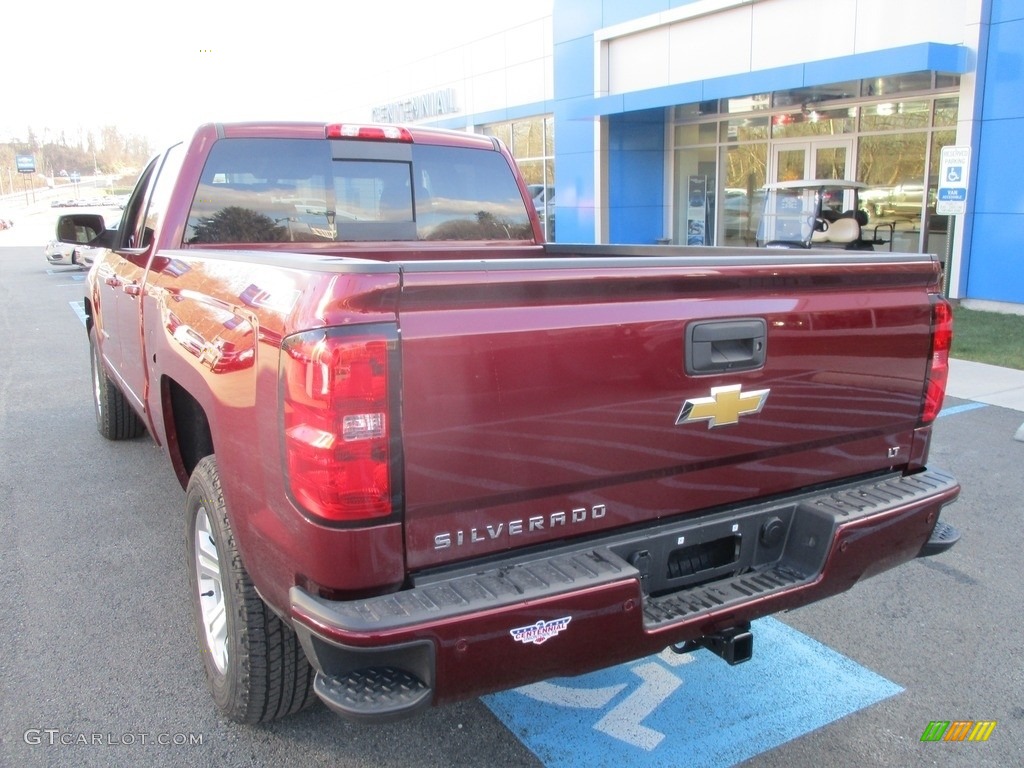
794	208
790	162
812	160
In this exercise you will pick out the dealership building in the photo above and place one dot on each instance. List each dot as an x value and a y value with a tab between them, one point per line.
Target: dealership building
661	121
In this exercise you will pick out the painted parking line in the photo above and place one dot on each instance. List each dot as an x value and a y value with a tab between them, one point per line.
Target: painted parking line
955	409
73	277
694	710
78	307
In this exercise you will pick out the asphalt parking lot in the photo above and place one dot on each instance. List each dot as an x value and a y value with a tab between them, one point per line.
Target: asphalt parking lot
98	664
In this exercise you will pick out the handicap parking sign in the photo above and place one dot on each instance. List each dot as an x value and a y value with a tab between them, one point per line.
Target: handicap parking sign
954	169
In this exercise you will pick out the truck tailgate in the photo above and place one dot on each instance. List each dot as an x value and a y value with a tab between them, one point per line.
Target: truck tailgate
562	397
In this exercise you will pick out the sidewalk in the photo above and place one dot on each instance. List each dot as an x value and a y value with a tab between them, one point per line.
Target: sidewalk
988	384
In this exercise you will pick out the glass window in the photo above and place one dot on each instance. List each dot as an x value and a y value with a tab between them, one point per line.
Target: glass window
532	143
468	195
830	163
817	95
936	226
746	129
892	159
367	190
162	189
759	102
908	83
814	122
896	116
695	183
745	170
896	134
528	138
946	111
893	165
502	131
279	190
696	109
264	191
696	133
132	233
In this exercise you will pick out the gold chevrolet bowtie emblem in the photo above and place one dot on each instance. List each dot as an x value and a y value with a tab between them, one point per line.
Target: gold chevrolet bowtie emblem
725	406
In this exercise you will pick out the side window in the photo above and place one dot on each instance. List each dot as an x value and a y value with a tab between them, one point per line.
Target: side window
132	221
162	189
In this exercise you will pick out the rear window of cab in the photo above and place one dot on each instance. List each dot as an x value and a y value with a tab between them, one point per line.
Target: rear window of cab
262	190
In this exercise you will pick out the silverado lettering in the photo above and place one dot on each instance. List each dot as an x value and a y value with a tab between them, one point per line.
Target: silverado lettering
373	379
516	527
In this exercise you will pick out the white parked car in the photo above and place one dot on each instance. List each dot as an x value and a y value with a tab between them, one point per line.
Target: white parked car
86	255
61	254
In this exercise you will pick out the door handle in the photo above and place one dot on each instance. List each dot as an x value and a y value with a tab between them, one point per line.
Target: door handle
132	289
112	281
726	346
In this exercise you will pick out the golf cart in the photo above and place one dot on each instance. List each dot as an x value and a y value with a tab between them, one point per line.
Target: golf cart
813	213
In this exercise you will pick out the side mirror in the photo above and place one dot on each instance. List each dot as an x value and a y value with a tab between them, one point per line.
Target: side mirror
83	229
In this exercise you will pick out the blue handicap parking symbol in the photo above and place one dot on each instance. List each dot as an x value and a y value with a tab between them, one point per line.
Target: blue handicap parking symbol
954	173
694	710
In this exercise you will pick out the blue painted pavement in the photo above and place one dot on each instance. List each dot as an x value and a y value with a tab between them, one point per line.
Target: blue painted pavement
695	710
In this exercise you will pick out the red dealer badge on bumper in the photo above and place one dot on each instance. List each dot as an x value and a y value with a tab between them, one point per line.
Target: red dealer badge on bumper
541	631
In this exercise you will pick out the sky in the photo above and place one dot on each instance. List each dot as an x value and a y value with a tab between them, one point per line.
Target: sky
161	68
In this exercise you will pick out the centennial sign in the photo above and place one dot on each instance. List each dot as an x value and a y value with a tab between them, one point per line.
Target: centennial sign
415	108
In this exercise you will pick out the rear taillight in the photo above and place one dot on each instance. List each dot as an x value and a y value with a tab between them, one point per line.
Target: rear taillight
938	366
335	407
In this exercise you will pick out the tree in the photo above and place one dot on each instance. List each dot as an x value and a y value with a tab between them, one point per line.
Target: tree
235	224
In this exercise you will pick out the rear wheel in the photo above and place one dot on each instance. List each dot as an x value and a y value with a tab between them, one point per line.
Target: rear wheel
254	663
115	418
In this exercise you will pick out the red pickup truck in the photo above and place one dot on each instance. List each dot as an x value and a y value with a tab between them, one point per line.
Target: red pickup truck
427	456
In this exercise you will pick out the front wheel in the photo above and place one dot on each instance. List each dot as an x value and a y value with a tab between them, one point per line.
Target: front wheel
254	663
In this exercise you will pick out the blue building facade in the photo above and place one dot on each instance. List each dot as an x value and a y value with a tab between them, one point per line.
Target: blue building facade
993	267
660	121
626	195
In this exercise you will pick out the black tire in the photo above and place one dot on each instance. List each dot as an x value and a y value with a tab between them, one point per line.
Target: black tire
115	418
254	663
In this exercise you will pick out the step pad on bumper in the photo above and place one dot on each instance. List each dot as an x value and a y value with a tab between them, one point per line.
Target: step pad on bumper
943	537
375	694
667	609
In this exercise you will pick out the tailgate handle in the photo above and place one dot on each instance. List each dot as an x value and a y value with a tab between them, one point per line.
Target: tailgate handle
726	345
